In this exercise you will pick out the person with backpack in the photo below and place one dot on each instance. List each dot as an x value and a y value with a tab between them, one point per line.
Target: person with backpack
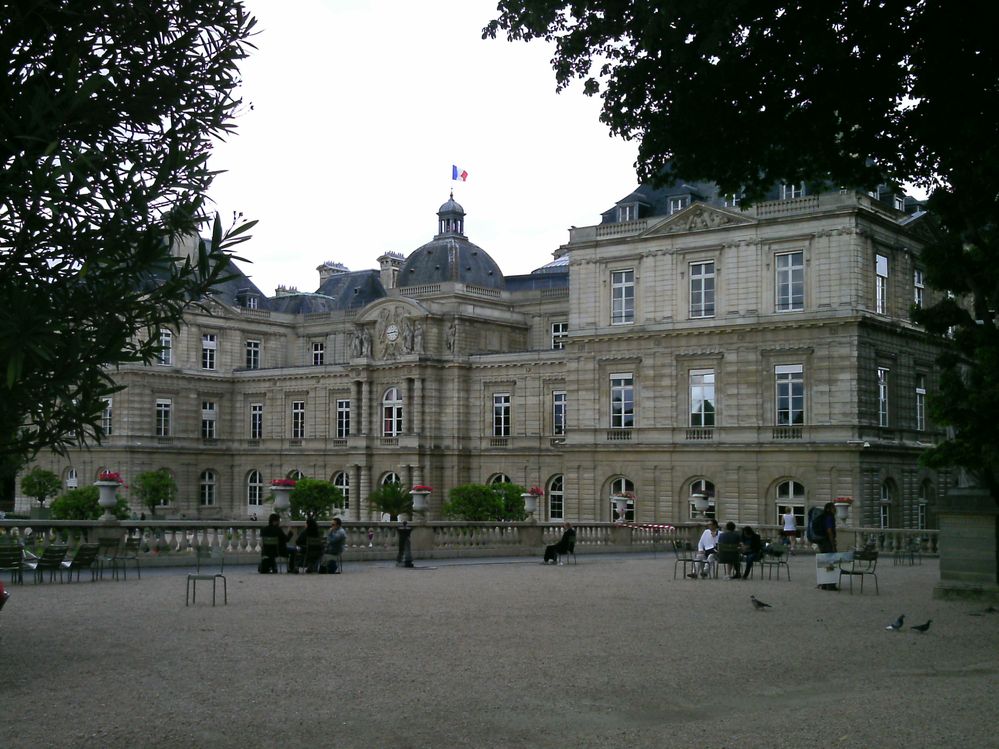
822	528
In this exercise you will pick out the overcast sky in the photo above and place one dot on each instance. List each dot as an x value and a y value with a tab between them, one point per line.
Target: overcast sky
359	111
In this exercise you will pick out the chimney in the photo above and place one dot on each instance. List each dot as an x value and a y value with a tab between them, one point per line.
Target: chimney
390	264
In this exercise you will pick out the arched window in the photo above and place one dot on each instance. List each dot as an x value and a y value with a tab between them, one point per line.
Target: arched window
623	487
556	499
390	478
341	481
207	485
791	494
499	478
254	489
71	479
296	474
392	413
702	486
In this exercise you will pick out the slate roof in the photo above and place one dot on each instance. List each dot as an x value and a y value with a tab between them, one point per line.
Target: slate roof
352	290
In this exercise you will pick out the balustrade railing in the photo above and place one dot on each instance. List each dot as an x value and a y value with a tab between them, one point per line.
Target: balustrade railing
171	542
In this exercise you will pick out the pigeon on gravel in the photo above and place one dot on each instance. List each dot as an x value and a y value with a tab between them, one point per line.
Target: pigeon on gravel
758	604
922	627
897	625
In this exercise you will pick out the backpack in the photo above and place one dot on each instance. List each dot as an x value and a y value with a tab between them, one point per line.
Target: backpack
816	528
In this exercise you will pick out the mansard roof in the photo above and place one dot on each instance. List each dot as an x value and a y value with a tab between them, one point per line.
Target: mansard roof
352	290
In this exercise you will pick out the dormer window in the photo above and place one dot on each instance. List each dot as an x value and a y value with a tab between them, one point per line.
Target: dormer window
899	202
678	203
627	212
732	200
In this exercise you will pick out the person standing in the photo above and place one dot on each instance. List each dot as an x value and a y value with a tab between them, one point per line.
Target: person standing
827	538
790	532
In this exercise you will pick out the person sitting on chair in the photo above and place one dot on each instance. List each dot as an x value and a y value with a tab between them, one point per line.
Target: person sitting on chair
752	549
728	551
567	542
311	530
273	530
707	549
336	539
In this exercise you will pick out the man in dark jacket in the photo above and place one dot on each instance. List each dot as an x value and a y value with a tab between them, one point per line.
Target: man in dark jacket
564	545
273	530
752	549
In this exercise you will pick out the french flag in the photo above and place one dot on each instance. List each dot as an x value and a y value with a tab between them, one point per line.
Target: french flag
458	173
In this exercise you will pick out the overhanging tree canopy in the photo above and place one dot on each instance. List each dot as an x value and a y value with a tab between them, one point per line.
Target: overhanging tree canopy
747	94
108	112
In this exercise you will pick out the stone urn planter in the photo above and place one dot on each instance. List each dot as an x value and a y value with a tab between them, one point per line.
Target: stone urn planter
842	505
107	485
700	501
419	493
281	489
108	498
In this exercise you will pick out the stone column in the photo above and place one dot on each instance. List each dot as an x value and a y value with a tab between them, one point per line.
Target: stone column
365	415
969	545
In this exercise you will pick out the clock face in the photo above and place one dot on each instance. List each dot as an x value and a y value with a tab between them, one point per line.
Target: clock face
392	332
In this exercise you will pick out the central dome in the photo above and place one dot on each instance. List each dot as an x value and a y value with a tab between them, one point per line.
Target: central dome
449	256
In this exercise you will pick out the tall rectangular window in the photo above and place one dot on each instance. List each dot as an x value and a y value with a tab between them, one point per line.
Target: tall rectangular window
790	380
209	414
790	281
918	287
209	345
318	354
678	203
163	409
558	412
165	354
501	414
788	191
622	297
253	354
881	285
883	396
885	515
921	402
560	331
921	516
622	401
702	398
702	289
106	415
342	419
256	421
297	420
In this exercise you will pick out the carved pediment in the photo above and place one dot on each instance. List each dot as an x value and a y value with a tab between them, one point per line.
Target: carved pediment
389	331
698	217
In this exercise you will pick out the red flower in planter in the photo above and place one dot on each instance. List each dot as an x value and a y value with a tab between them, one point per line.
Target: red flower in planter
110	476
536	491
283	482
421	488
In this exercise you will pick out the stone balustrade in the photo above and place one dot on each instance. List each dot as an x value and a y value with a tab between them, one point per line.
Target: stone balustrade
171	542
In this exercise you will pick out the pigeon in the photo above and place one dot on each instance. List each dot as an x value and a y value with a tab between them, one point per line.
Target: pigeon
758	604
922	627
897	625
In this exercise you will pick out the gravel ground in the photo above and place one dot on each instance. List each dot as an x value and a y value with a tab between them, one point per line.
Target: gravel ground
612	652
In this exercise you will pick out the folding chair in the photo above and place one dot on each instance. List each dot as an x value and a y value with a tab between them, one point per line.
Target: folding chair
216	557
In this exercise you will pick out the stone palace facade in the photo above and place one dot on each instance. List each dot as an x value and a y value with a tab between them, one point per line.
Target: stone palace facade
683	345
